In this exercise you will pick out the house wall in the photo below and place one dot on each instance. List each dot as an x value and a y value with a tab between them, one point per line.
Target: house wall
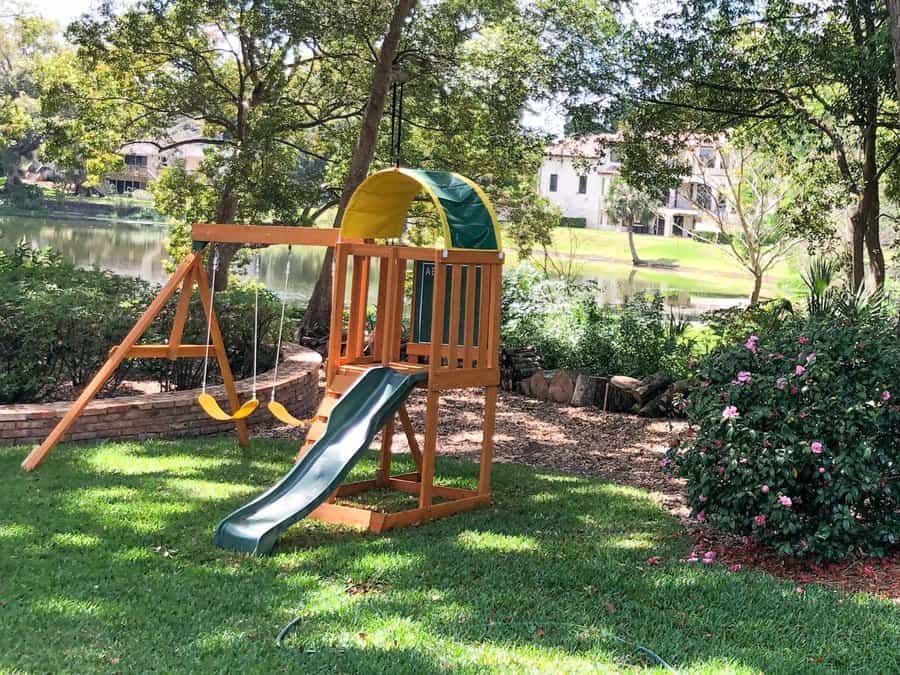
591	205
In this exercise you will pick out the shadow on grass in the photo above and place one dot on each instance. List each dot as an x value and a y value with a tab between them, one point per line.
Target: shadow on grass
106	562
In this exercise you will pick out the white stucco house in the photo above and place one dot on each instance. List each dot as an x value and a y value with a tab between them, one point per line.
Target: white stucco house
576	175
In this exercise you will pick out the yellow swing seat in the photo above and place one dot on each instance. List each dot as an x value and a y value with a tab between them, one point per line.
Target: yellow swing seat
212	408
281	413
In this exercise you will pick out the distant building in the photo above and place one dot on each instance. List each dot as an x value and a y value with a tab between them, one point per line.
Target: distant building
576	175
144	159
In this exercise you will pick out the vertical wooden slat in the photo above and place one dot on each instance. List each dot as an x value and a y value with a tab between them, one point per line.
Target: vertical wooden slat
390	295
493	356
429	450
359	287
221	353
337	311
455	300
437	314
36	456
380	323
487	440
484	318
469	333
413	315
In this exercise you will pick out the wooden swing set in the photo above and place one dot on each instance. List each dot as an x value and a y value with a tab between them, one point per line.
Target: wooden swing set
448	297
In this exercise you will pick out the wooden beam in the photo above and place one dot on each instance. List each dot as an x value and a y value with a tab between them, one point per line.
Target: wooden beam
349	515
487	440
265	234
37	455
429	448
166	352
384	464
339	286
406	423
464	378
240	426
181	313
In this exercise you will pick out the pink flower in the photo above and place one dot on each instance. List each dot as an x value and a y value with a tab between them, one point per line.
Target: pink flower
736	567
764	489
664	462
816	447
811	358
743	377
759	520
799	370
785	501
751	343
720	470
730	412
702	499
781	383
885	396
821	469
778	355
802	339
701	517
693	558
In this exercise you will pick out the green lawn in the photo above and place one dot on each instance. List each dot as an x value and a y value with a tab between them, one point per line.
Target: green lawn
684	252
106	564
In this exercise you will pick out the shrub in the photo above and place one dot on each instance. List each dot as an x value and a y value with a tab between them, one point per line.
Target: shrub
58	322
568	327
568	221
796	438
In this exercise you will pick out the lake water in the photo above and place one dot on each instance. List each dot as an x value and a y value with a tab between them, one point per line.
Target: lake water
139	250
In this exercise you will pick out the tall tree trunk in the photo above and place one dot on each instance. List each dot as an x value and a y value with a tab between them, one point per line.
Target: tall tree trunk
635	260
318	312
225	212
867	209
893	7
873	243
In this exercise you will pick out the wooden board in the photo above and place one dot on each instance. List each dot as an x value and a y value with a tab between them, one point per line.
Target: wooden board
265	234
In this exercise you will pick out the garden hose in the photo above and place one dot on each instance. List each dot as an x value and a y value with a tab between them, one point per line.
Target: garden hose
293	623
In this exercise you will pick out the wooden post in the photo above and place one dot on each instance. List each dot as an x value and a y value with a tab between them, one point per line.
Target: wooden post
429	449
487	440
380	322
37	455
337	313
469	332
384	465
406	423
359	295
455	300
390	297
215	333
181	312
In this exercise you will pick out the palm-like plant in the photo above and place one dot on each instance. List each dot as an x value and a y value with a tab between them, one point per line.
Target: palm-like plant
627	205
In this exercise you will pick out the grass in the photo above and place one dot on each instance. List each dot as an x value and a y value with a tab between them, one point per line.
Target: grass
106	564
683	252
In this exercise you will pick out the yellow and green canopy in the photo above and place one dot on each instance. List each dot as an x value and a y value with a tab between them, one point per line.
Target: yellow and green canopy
378	208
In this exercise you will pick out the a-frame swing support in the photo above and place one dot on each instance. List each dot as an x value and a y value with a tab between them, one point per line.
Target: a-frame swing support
190	273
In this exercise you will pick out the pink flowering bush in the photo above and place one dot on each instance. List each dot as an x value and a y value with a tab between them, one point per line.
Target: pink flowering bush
795	439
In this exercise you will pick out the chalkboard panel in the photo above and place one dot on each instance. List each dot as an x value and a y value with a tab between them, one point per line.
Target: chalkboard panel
423	302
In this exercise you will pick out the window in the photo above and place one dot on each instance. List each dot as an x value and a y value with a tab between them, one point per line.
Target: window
704	197
136	160
554	182
582	185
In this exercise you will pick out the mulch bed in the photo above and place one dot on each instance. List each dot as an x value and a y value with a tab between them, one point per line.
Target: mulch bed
623	449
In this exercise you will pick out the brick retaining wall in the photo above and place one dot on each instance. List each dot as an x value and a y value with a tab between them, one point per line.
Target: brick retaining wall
167	414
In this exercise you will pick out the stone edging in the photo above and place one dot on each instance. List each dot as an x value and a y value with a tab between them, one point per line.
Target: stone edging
166	414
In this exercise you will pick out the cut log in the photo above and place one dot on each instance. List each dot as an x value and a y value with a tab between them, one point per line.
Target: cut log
621	395
585	391
561	387
539	386
525	387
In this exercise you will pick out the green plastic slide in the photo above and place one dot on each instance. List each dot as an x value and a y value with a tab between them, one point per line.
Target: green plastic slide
363	409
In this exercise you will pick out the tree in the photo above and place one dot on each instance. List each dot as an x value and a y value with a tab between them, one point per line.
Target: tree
749	202
263	82
627	206
25	41
808	71
470	70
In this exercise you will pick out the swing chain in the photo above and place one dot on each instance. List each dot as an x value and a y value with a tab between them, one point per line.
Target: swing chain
287	276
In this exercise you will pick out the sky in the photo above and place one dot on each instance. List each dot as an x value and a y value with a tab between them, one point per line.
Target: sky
62	11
